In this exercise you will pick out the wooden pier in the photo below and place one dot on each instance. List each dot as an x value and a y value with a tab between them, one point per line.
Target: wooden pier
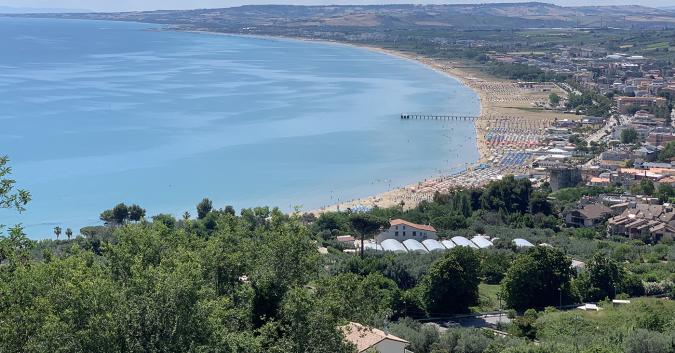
424	116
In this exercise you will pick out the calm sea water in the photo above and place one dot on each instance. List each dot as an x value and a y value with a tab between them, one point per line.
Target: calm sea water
95	113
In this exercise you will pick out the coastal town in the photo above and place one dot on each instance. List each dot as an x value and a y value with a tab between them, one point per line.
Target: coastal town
558	238
530	129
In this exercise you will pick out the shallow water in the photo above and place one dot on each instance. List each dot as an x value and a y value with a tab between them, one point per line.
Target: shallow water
95	113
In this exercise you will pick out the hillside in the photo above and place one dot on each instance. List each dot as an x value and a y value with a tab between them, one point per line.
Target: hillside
286	18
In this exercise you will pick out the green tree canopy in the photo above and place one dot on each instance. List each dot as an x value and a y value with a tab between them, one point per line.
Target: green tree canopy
537	278
120	213
366	226
203	208
554	99
668	152
451	284
629	135
9	196
136	213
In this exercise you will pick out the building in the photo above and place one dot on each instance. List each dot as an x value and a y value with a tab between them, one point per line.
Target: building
564	177
367	338
644	221
590	215
347	241
402	230
660	138
625	103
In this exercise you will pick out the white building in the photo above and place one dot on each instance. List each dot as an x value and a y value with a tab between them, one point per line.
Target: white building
365	338
402	230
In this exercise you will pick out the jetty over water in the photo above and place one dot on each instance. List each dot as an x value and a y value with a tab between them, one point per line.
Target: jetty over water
431	116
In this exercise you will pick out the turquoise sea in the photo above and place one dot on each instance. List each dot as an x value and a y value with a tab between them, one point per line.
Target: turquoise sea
96	113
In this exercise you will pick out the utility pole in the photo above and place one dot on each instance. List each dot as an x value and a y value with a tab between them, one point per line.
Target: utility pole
499	323
560	297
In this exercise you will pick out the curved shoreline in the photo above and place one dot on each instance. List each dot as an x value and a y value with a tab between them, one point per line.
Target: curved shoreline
396	196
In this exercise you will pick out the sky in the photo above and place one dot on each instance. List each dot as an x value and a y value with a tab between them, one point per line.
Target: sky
131	5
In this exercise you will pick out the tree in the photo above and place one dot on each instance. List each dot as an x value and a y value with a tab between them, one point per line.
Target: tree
451	284
629	136
537	278
644	187
9	197
602	279
120	213
554	99
647	187
668	152
57	232
69	233
203	208
136	213
165	219
539	204
186	216
665	192
229	210
494	265
366	225
107	217
14	249
508	195
372	299
331	221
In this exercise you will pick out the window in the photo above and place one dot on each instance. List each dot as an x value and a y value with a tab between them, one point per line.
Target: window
414	233
404	233
395	234
396	227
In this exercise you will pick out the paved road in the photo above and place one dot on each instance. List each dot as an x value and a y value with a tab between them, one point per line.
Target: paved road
477	321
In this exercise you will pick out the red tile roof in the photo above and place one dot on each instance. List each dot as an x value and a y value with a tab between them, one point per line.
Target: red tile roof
395	222
366	337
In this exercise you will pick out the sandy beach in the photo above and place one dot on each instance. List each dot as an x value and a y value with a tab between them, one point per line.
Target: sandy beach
509	123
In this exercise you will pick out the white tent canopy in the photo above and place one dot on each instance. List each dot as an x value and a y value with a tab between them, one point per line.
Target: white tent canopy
448	244
393	245
522	243
433	245
414	246
481	241
461	241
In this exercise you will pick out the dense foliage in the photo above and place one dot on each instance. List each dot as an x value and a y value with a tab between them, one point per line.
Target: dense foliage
256	282
238	287
538	278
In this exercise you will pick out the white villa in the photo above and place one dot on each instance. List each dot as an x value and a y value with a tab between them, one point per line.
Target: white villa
402	230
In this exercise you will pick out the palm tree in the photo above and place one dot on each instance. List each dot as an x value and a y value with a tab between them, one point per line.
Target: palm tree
69	233
186	216
57	232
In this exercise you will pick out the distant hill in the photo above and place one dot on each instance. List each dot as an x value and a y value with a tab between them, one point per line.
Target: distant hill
289	18
31	10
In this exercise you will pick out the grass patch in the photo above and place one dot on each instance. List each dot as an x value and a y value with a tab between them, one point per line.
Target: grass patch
487	297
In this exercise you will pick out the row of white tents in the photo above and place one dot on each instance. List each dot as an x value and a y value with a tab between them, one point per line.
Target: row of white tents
429	245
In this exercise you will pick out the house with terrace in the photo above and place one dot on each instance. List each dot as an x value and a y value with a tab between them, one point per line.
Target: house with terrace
644	221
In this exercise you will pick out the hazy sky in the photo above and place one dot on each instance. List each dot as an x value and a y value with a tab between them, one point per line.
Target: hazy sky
125	5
